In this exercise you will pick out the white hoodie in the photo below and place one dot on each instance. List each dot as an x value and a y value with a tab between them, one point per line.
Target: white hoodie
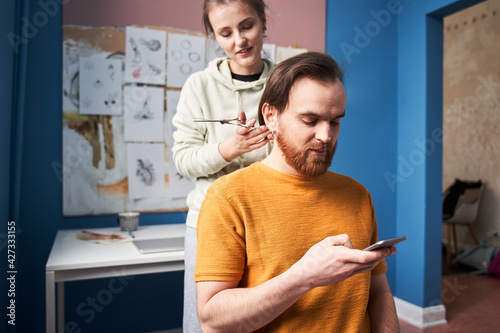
212	94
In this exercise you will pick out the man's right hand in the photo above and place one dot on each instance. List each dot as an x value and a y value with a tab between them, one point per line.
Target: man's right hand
334	259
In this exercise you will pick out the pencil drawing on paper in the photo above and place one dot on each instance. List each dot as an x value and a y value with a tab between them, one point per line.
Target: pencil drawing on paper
145	56
145	172
145	113
137	54
112	99
186	55
153	44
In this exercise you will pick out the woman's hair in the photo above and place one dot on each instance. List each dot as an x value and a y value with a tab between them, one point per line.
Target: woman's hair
313	65
258	5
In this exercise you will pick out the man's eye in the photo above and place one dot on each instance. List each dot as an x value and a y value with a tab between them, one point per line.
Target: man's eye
310	123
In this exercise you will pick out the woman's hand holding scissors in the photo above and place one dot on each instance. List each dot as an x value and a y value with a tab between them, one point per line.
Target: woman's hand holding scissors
245	139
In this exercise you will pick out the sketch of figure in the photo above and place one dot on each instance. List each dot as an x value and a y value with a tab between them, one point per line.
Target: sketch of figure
98	84
137	54
154	69
145	113
153	44
145	172
145	55
111	72
112	100
101	87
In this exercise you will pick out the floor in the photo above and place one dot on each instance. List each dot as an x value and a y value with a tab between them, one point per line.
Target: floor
471	302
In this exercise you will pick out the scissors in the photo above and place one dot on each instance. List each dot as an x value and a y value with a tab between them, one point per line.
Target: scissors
234	121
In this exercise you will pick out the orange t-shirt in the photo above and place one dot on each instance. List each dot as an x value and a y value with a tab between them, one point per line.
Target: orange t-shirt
255	223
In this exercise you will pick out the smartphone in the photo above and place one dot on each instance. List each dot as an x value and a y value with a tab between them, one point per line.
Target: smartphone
385	243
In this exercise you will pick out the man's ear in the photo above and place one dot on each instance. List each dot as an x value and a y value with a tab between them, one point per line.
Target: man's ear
269	113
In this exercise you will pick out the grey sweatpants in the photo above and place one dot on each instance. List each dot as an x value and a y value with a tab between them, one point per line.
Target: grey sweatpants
190	322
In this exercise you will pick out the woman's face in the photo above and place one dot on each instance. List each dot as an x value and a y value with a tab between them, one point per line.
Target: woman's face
240	33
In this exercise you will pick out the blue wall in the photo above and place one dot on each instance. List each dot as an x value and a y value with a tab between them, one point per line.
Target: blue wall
394	71
7	25
364	42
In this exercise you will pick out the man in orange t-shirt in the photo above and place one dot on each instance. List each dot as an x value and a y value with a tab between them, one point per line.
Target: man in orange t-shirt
278	241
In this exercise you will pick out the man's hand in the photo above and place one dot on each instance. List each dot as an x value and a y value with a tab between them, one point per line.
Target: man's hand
334	259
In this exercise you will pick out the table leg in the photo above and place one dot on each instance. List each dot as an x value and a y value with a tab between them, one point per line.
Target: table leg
50	302
60	307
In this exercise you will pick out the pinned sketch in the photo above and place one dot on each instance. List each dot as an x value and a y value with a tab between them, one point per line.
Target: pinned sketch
269	51
172	98
145	55
283	53
186	55
143	114
100	86
145	164
214	50
181	184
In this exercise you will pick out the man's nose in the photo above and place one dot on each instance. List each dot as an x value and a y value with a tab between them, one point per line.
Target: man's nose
324	132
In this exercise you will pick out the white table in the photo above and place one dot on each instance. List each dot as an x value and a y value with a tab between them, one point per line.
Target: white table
72	259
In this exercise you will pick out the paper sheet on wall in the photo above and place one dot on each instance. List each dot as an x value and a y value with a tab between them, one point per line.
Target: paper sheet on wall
145	164
269	51
145	56
172	98
181	184
214	50
100	86
283	53
186	55
143	114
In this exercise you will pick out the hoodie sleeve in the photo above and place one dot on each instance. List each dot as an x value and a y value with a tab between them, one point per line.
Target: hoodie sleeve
193	155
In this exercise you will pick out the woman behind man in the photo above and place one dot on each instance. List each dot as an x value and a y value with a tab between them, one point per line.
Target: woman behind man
228	88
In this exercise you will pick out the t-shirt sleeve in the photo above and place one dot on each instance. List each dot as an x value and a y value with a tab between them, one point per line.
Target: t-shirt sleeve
221	240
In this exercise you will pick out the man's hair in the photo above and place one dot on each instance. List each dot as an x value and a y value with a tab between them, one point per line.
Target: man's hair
313	65
258	5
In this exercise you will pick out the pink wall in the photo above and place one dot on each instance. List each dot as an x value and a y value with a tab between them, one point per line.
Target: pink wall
289	22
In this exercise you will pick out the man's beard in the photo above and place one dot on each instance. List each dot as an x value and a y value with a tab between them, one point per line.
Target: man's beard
306	164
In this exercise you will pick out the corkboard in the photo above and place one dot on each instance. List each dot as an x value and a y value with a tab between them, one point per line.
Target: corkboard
94	168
